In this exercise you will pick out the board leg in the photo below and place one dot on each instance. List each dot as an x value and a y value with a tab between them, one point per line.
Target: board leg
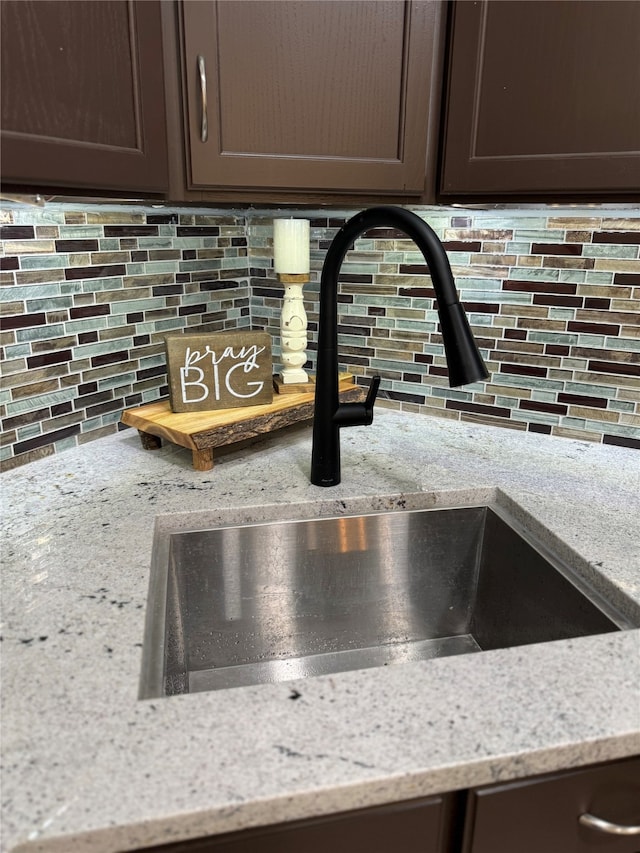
202	459
149	442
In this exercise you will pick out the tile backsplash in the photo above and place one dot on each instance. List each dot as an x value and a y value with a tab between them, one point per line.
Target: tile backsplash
88	293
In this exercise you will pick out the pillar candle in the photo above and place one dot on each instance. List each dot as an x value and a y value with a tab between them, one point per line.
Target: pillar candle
291	246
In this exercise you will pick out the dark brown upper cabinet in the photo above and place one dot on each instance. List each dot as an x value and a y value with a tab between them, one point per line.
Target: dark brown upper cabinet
308	95
543	99
83	96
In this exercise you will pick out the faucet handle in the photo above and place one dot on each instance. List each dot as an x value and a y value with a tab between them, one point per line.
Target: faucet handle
358	414
371	396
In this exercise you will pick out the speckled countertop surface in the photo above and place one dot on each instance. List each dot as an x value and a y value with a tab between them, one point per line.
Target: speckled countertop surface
89	767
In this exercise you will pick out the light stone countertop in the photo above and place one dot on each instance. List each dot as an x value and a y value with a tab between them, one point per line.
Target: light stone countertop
89	767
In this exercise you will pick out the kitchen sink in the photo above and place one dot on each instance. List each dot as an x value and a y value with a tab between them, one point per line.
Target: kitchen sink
275	601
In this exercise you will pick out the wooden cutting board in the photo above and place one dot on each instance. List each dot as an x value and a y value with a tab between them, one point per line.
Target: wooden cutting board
202	432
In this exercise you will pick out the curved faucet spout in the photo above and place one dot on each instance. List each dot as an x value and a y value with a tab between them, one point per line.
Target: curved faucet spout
463	359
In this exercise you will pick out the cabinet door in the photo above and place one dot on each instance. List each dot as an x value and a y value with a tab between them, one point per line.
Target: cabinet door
543	98
309	94
543	815
82	94
417	826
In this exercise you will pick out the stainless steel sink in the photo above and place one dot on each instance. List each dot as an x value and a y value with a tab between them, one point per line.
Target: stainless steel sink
275	601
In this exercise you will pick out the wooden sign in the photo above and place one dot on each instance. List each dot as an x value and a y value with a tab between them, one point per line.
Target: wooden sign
221	370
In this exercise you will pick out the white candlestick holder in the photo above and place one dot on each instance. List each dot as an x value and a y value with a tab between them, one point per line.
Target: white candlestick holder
293	336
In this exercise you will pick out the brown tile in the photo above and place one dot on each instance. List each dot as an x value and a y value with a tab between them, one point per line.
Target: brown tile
541	406
555	249
593	328
625	237
615	367
17	232
575	223
49	358
518	286
53	344
25	458
39	276
522	369
622	441
100	271
23	321
594	414
115	217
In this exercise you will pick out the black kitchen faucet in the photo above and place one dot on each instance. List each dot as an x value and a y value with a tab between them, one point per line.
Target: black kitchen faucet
463	358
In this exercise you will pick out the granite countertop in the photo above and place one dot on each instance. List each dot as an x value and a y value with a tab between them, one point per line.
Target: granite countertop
89	767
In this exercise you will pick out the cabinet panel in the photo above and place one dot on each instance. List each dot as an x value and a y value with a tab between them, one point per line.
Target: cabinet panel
418	826
308	95
542	98
82	94
541	815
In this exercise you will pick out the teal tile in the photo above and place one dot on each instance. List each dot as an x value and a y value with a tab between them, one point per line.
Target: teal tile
17	292
192	266
613	429
102	347
601	250
507	402
593	277
566	338
90	424
70	287
480	319
478	284
40	401
116	381
573	276
535	417
94	285
526	381
521	225
152	360
40	333
629	344
53	304
86	324
562	314
171	324
66	444
30	431
451	394
109	244
80	232
543	396
591	390
591	340
41	262
136	269
16	351
168	243
128	306
537	274
621	406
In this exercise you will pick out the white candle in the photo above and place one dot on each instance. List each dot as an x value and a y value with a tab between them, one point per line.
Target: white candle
291	246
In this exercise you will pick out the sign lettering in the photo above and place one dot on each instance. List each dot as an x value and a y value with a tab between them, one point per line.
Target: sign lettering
219	371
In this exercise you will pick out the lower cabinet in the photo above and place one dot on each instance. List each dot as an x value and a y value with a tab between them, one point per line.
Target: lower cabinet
592	810
417	826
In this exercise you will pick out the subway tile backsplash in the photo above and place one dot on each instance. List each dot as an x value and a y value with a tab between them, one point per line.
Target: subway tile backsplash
88	293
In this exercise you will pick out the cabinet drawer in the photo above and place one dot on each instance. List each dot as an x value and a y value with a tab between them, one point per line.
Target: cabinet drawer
417	826
541	815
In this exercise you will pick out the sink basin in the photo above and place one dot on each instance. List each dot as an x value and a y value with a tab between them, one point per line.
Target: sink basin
275	601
